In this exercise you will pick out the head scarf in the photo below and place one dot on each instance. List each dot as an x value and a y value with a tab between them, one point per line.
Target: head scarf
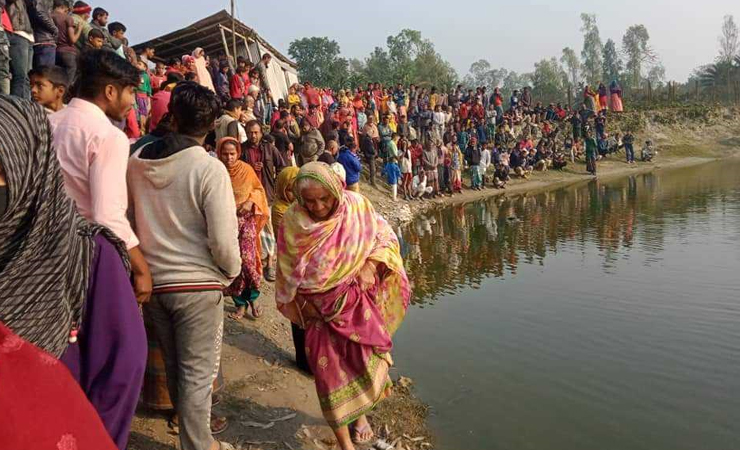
324	175
244	180
197	53
315	257
46	247
285	181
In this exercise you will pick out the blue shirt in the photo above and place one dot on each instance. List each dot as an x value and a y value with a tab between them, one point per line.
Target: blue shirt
351	164
392	173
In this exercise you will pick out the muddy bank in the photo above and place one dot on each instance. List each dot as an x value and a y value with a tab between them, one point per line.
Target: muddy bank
272	405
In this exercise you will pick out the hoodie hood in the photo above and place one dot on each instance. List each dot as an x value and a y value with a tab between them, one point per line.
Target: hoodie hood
224	120
162	161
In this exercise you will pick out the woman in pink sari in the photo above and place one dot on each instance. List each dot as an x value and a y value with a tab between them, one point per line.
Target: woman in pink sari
341	278
201	70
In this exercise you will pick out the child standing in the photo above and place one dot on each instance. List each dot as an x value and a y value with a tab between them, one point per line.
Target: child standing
406	169
143	95
456	166
485	161
393	174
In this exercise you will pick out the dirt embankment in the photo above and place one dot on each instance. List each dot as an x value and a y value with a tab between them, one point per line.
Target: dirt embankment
272	405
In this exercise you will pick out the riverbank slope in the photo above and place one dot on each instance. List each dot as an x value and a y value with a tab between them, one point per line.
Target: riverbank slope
272	405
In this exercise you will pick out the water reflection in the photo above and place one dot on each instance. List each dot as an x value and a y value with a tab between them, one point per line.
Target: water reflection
463	245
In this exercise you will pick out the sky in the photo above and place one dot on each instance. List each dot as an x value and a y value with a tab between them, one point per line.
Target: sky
510	34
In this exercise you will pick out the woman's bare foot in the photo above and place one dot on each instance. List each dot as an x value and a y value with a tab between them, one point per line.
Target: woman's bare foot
239	313
343	438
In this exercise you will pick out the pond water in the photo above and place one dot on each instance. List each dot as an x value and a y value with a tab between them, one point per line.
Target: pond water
601	316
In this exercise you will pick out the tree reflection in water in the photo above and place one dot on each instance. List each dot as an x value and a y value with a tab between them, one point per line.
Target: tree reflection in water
464	244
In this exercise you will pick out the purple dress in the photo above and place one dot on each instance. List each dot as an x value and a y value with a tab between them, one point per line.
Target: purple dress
110	356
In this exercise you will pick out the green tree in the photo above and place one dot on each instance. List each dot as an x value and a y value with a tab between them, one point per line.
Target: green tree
549	81
432	70
357	73
636	47
403	50
479	74
319	61
612	62
378	67
592	52
513	80
572	64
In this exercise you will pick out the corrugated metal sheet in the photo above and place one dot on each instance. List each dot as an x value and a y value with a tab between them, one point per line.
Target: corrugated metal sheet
206	33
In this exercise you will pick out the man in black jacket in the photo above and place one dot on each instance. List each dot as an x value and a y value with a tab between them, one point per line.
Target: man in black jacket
44	32
367	146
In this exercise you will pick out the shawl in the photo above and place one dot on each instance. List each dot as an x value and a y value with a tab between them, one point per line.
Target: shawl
316	257
46	247
37	388
246	183
204	76
285	182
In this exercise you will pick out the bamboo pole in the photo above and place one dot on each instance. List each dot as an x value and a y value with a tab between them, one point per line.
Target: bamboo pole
233	30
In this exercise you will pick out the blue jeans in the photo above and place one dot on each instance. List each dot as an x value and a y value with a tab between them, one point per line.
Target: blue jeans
629	150
44	56
21	57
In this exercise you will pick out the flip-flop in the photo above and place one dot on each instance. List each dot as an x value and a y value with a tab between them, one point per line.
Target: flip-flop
357	431
256	310
236	316
219	425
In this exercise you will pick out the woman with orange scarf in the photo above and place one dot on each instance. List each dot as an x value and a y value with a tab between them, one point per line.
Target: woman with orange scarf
252	212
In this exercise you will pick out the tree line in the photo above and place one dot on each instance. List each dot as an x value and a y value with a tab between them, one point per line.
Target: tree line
408	58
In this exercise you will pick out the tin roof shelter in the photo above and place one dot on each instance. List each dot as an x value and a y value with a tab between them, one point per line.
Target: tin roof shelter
216	35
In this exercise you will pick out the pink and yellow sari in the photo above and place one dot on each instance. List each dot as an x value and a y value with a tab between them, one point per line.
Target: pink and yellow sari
318	263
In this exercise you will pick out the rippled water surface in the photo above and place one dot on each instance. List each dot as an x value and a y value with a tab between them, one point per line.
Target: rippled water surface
601	316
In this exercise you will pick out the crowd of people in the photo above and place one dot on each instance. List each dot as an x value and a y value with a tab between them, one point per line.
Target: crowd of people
126	180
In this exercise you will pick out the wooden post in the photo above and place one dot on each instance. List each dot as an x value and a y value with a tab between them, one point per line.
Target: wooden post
233	31
696	90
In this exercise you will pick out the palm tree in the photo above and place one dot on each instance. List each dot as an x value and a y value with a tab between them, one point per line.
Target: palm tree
721	74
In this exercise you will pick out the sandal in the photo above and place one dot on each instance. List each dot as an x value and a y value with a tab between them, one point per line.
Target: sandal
357	433
238	314
219	425
256	310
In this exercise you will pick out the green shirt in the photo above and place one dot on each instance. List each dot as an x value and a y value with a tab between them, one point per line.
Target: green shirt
80	22
591	148
146	84
392	150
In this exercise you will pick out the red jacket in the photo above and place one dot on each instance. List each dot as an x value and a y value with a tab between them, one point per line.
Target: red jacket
239	86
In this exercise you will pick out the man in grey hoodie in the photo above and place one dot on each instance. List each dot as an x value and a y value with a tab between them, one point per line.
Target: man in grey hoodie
182	207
